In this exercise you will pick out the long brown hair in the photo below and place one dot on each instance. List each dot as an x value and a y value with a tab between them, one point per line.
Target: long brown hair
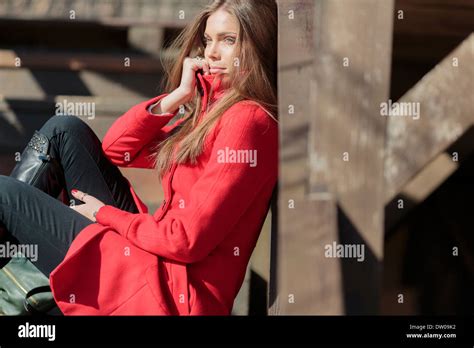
257	57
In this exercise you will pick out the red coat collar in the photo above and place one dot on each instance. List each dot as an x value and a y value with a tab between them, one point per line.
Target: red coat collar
212	89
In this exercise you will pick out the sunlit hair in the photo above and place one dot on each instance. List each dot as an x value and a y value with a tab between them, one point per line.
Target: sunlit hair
256	54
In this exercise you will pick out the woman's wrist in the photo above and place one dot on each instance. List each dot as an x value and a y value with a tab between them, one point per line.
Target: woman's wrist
183	94
171	102
94	214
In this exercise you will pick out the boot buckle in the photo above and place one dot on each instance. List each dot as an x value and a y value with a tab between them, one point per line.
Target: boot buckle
44	158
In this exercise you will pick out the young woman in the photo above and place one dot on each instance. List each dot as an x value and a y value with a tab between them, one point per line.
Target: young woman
218	165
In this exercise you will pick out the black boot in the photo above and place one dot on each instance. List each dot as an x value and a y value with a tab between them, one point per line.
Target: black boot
39	169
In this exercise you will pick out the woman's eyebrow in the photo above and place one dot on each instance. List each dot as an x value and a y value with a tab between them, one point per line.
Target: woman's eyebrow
222	34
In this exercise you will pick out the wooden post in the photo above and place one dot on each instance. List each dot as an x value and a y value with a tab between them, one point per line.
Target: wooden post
334	73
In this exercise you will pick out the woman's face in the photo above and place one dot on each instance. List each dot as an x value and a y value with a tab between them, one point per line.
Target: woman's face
220	39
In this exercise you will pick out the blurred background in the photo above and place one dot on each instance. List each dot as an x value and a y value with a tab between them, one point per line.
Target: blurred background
401	186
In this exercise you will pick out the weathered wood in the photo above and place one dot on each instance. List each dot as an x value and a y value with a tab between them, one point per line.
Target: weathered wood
336	110
307	282
446	112
297	281
81	61
347	109
20	117
425	32
353	58
23	83
424	29
292	262
104	105
87	10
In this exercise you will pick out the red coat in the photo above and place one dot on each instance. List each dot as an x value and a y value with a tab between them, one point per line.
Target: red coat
190	256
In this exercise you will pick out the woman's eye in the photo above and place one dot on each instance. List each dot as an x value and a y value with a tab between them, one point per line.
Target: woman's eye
229	40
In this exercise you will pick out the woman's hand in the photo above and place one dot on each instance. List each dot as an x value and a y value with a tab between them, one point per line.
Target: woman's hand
188	77
185	92
90	207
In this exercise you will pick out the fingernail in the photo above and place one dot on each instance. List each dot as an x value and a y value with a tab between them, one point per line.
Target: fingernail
73	191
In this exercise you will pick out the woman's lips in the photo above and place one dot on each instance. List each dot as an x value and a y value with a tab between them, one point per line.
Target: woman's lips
215	70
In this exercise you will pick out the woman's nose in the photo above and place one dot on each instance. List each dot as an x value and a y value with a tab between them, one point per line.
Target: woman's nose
214	51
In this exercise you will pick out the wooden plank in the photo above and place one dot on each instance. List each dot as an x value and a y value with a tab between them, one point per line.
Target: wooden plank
425	32
113	22
68	35
106	10
437	18
102	105
446	112
125	63
23	83
119	34
20	117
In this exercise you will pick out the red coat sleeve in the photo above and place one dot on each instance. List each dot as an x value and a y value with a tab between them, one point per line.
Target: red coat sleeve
126	143
217	200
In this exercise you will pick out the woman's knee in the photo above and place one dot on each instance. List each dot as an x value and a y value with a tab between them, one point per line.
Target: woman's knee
9	187
59	124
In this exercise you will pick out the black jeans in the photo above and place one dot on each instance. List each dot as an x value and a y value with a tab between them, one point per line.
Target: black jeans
33	217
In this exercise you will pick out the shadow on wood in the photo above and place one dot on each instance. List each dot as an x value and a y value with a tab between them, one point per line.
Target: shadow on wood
360	280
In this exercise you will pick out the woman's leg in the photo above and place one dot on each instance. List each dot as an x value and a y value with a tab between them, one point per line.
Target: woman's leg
79	152
32	217
82	165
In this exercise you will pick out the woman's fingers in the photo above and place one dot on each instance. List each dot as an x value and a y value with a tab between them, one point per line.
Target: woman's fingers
82	196
205	67
200	64
90	207
190	67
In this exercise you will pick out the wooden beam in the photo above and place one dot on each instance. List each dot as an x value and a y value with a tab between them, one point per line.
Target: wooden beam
24	83
425	32
439	18
118	11
446	112
80	61
422	153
